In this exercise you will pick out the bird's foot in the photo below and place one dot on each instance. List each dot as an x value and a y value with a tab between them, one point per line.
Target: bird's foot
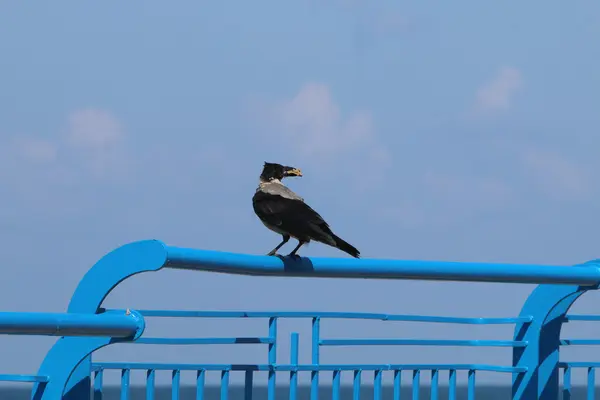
272	253
293	255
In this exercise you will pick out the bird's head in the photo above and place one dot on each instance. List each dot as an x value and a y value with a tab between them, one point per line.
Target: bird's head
272	171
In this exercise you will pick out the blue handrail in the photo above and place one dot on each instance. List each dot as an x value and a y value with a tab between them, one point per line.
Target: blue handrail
333	315
304	367
118	325
243	264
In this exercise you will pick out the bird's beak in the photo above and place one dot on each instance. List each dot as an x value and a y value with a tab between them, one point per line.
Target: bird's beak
294	172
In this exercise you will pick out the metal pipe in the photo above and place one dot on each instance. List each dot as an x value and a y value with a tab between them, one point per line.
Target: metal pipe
243	264
122	325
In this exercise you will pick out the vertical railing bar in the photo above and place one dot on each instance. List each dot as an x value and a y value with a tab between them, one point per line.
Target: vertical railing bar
434	384
200	379
377	385
471	390
591	385
356	385
248	385
335	395
150	379
125	384
294	351
416	384
175	380
397	384
272	358
452	385
98	381
224	384
316	332
567	384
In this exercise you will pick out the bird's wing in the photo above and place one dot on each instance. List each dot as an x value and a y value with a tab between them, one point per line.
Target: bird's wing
278	209
293	216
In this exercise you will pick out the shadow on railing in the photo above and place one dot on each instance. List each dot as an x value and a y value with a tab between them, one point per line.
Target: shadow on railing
67	371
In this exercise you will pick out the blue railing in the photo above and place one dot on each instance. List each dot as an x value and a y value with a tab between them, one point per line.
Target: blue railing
315	367
68	371
123	325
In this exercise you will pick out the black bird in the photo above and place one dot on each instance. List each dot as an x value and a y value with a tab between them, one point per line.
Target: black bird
286	213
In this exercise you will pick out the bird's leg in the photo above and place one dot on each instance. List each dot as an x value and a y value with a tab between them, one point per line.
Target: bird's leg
293	253
284	241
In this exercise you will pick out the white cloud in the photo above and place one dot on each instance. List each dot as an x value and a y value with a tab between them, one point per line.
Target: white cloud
555	174
91	145
95	140
313	122
35	150
312	125
94	129
497	94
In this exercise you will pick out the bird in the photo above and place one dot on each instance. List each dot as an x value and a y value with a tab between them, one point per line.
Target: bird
284	212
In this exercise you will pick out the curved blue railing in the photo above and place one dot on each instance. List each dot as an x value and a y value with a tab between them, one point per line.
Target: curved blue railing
68	372
118	325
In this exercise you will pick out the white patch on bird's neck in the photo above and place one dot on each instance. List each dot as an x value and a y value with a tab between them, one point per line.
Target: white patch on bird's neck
263	182
275	187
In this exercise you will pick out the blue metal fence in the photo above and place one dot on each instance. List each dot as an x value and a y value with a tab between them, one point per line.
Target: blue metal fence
315	367
68	371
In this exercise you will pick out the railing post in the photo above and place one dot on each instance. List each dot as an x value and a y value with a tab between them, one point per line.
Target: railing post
272	358
548	305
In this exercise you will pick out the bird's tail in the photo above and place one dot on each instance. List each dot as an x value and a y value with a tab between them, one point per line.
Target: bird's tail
346	247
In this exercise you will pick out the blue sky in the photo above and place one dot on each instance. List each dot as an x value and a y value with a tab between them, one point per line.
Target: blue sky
455	131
